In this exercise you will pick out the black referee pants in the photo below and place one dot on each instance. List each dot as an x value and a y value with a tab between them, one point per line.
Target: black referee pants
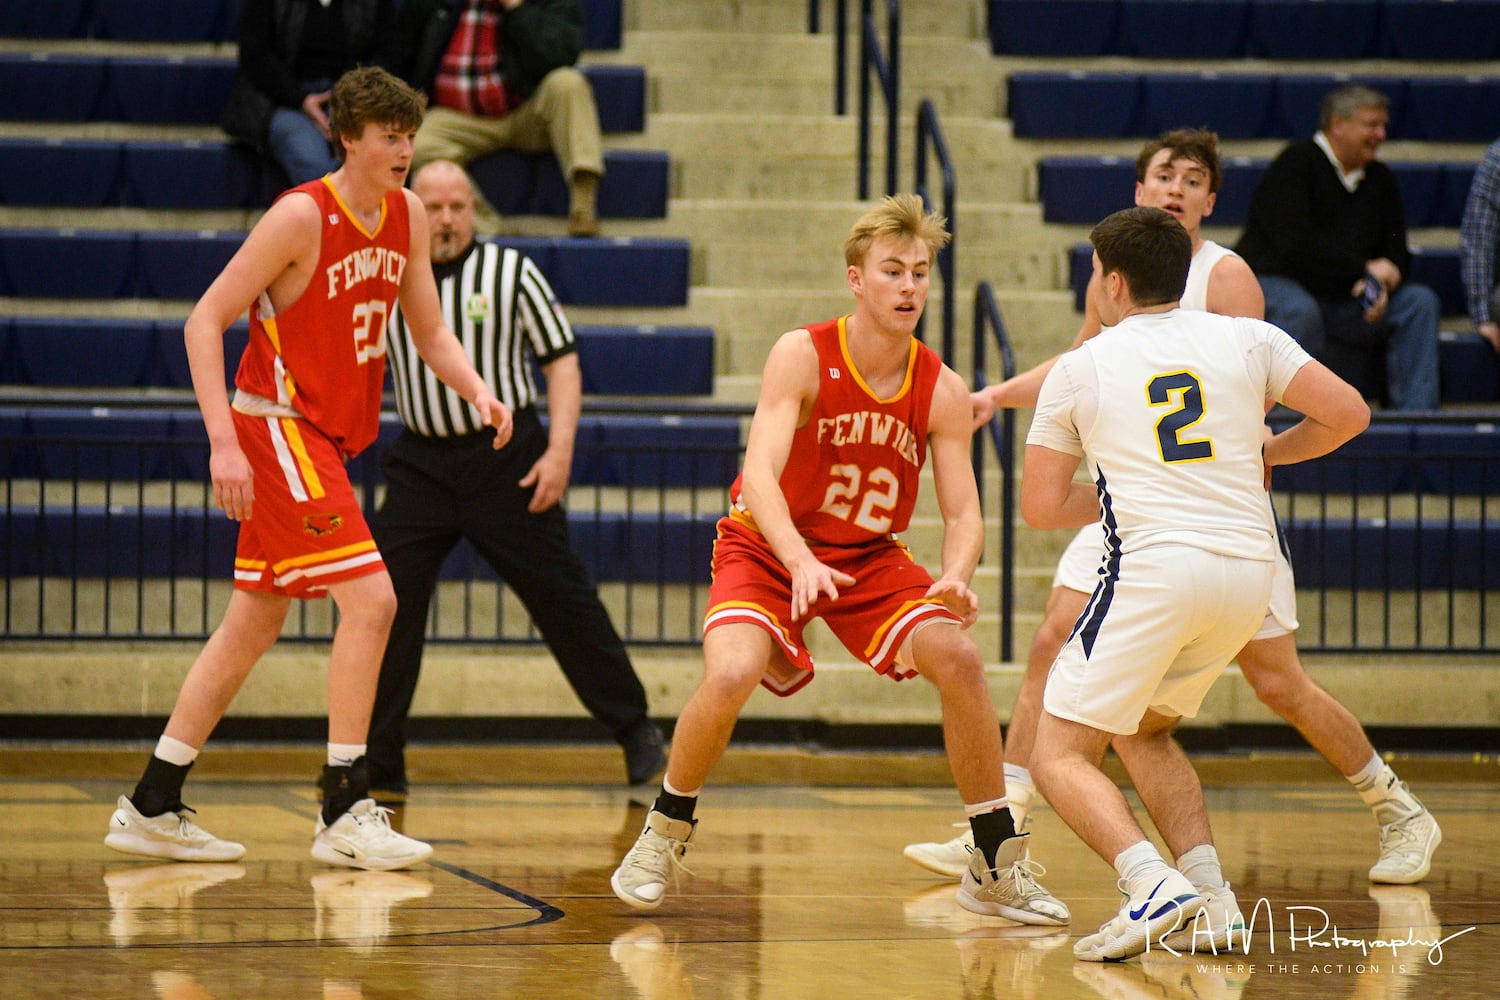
442	489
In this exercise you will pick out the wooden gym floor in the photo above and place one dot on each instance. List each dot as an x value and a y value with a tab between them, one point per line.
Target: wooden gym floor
799	889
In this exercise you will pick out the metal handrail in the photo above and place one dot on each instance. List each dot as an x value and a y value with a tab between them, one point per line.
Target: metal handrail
887	69
1001	432
930	134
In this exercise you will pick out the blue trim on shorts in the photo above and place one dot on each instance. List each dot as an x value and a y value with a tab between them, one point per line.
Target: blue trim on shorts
1092	619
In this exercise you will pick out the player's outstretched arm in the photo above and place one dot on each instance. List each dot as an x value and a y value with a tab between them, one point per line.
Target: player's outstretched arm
1021	391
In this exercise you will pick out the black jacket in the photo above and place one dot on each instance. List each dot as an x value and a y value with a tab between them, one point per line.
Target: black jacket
1305	225
270	37
536	38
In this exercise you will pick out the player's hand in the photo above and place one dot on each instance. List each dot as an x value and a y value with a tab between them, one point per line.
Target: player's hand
234	491
315	106
497	415
812	580
956	596
1491	333
550	477
984	407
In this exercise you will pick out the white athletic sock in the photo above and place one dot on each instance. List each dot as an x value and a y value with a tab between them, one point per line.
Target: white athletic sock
344	754
175	751
1376	782
1020	789
1140	862
980	808
666	786
1201	866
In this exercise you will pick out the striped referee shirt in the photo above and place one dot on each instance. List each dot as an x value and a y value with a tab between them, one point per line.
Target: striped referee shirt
504	313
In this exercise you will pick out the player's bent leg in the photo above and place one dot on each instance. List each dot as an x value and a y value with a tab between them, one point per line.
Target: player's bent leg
736	656
367	606
946	655
1274	671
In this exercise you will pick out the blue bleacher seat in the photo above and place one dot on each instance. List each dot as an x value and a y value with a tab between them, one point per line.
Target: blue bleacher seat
8	375
172	370
1470	370
1420	182
1443	29
1239	175
1460	459
620	271
48	264
601	24
1326	30
54	351
1166	29
50	88
177	265
81	173
52	19
620	94
1439	269
635	184
1054	27
102	443
646	360
170	90
1084	189
1452	108
1378	461
1457	179
664	451
1237	106
191	174
1299	94
157	21
1074	104
1374	553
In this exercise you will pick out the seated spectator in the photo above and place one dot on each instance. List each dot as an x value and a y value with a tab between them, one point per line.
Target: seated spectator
1326	236
291	51
500	74
1479	241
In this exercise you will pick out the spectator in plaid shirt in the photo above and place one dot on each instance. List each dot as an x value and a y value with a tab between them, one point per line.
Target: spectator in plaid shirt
500	75
1479	243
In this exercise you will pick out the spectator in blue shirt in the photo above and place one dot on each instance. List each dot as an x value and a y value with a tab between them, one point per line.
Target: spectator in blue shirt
1479	243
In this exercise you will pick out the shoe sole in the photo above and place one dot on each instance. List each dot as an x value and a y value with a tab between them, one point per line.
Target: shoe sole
915	856
329	856
143	847
633	901
1031	917
1185	941
1138	943
1418	875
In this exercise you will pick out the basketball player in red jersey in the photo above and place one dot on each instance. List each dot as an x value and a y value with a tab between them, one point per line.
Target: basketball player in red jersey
319	274
848	414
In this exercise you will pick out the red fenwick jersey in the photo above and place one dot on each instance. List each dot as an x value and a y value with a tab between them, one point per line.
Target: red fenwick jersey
853	470
324	355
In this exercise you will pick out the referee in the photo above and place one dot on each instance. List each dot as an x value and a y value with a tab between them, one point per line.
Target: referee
445	482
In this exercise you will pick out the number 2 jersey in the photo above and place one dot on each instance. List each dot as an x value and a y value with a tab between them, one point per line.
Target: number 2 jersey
1167	408
852	474
324	355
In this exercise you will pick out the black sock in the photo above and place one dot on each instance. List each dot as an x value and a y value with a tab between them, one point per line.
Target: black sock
160	788
989	830
676	806
342	787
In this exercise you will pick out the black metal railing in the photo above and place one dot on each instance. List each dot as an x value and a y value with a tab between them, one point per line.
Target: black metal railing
1001	435
881	63
932	145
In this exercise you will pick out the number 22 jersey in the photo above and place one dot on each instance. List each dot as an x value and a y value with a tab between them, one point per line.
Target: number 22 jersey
324	355
853	471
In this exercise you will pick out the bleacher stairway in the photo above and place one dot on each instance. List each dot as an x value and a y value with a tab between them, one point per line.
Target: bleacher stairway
763	189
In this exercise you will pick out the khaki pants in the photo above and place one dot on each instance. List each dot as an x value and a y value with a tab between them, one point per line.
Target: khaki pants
560	117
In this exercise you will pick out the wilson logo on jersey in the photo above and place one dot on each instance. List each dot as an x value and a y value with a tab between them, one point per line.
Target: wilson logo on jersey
835	373
333	218
322	524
